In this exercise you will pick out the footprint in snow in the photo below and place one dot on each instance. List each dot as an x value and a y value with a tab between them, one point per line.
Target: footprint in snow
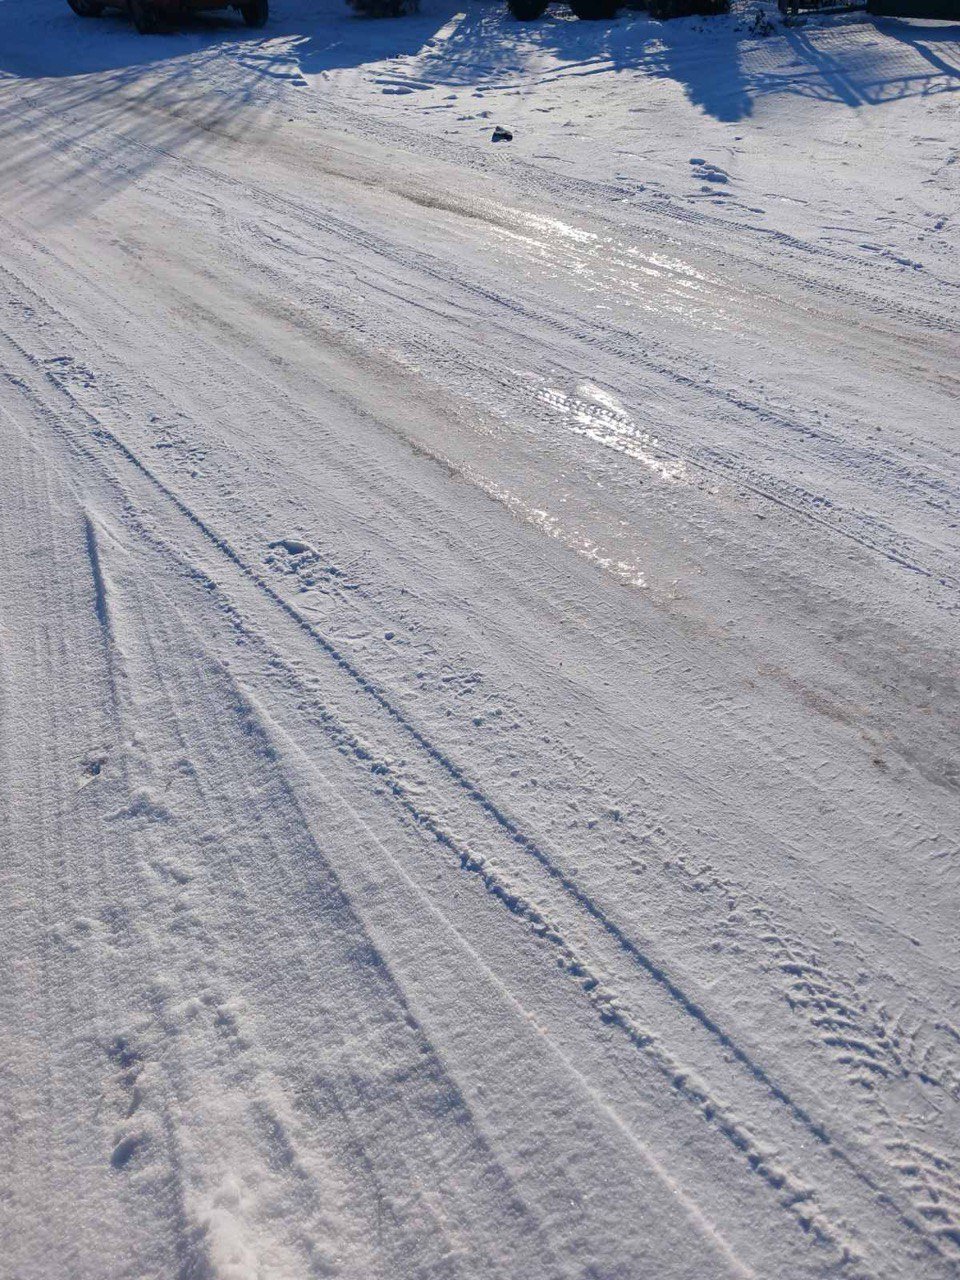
293	546
707	172
91	768
145	805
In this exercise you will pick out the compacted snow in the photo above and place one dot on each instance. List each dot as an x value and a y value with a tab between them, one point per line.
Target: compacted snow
478	647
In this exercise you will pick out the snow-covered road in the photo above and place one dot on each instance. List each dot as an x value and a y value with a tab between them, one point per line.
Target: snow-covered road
478	650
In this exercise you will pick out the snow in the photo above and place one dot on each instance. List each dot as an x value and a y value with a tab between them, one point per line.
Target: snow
478	650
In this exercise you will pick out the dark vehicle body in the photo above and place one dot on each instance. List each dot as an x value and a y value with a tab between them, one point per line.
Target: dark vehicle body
604	10
150	15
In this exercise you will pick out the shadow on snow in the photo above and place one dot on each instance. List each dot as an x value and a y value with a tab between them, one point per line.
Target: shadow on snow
175	86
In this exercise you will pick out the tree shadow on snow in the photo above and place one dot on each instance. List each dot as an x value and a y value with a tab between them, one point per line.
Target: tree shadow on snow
211	76
46	40
166	94
721	64
120	102
864	63
478	45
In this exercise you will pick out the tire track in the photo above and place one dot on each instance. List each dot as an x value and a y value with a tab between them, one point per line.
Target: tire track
794	1195
494	814
612	341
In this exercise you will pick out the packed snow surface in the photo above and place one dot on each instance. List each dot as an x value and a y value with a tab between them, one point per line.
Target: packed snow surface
478	647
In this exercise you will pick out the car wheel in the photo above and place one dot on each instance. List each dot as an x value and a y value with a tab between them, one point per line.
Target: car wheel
145	16
527	10
595	10
256	13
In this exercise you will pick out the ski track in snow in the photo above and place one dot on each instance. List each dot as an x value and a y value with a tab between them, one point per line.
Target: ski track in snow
477	682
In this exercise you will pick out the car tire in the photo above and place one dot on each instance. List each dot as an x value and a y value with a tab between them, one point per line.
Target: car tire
256	13
86	8
145	16
527	10
595	10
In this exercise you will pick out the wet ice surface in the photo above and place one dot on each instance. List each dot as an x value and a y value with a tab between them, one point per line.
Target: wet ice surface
478	647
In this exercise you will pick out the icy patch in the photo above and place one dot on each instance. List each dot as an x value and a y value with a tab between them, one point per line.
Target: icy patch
595	414
561	230
676	265
546	522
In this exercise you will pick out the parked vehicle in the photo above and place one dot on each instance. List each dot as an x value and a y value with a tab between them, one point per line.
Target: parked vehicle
149	15
664	9
938	10
604	10
588	10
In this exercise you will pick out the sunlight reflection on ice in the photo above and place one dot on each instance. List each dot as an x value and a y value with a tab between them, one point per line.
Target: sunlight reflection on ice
624	571
594	413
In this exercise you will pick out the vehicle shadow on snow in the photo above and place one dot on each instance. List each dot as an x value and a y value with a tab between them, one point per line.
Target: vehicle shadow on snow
211	76
123	101
170	93
45	39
